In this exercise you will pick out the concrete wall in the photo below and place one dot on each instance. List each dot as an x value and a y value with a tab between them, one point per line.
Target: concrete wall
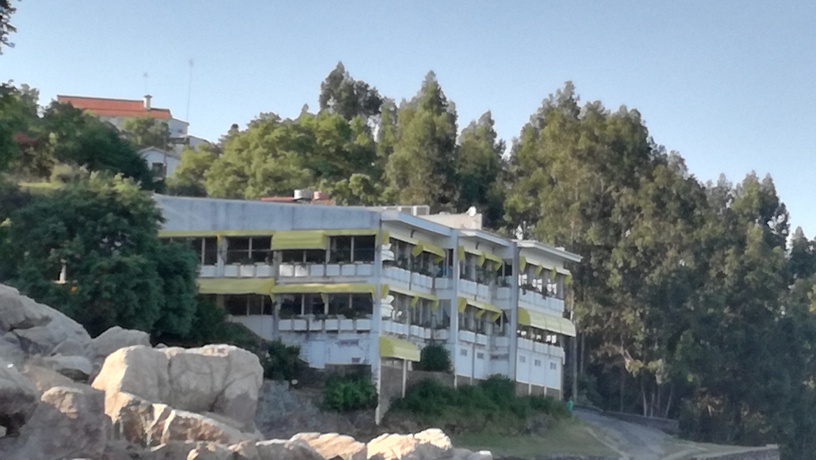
320	349
442	377
390	387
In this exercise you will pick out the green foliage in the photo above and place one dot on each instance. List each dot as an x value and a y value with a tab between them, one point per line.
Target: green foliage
147	132
6	10
347	97
282	362
188	178
104	231
490	406
480	170
349	393
434	358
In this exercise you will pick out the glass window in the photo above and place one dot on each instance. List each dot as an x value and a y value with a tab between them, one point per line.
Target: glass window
210	251
340	249
292	257
315	256
236	305
260	249
364	248
339	304
314	305
238	251
362	305
291	305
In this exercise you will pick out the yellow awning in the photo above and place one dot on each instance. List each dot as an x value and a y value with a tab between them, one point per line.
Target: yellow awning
315	288
480	261
236	286
351	232
461	253
300	239
546	322
415	296
205	233
536	271
522	263
429	248
494	258
392	347
495	311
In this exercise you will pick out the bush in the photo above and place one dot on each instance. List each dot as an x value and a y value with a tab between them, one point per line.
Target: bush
348	393
282	362
434	358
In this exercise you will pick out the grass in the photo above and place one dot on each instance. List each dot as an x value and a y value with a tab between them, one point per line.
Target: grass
569	437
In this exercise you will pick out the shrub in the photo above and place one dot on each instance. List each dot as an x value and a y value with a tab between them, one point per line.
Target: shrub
282	362
348	393
434	358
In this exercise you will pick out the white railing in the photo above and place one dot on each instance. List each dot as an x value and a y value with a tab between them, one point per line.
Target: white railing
330	270
208	271
411	279
535	299
331	324
441	334
467	336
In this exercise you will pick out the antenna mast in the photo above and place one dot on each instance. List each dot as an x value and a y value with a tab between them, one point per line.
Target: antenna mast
189	91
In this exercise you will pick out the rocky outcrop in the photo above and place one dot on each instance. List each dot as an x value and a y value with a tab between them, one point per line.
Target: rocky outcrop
18	398
428	444
113	339
217	378
336	446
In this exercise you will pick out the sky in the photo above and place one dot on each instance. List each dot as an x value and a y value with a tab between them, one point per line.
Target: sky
730	85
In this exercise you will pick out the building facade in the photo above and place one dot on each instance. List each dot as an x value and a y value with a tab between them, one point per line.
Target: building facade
353	285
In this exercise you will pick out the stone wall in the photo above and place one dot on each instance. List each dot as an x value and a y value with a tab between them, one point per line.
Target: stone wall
390	387
759	453
442	377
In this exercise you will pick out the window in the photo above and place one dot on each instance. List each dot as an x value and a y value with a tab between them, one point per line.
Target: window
362	305
248	304
248	250
537	363
364	249
479	355
553	366
299	256
339	304
291	305
340	249
158	170
463	352
206	248
314	304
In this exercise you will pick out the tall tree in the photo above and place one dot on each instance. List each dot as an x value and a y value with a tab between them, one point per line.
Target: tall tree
188	178
148	132
342	95
6	10
104	232
422	168
480	168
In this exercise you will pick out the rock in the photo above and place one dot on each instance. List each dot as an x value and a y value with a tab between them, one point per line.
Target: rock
216	378
69	423
333	445
3	432
293	449
209	452
244	451
77	368
113	339
428	444
188	426
38	328
69	348
44	379
11	353
18	398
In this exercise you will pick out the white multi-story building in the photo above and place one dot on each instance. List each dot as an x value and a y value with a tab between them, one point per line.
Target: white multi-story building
353	285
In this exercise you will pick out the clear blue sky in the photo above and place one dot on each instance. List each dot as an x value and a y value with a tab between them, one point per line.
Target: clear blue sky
731	85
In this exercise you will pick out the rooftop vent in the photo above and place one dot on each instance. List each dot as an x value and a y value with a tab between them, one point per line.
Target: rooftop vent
303	195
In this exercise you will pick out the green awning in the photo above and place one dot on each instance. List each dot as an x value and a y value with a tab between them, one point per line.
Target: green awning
316	288
392	347
522	263
236	286
300	239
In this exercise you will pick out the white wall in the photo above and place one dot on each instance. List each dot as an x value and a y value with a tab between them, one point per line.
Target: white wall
320	349
157	156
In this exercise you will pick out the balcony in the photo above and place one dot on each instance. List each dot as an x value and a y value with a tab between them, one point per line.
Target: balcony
327	325
330	270
412	279
472	288
208	271
531	298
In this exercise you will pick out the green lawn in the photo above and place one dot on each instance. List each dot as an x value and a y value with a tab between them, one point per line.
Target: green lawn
570	437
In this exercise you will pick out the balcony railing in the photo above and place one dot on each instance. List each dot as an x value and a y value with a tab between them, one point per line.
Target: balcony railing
321	270
535	299
328	324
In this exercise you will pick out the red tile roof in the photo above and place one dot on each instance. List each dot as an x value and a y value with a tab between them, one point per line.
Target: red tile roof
114	107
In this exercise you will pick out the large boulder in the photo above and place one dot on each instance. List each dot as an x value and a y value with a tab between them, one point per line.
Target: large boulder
113	339
76	368
425	445
44	379
293	449
18	398
334	446
216	378
38	327
69	422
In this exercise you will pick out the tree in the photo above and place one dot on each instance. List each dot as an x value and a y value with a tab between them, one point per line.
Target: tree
148	132
6	10
342	95
479	169
422	168
188	178
104	232
802	256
